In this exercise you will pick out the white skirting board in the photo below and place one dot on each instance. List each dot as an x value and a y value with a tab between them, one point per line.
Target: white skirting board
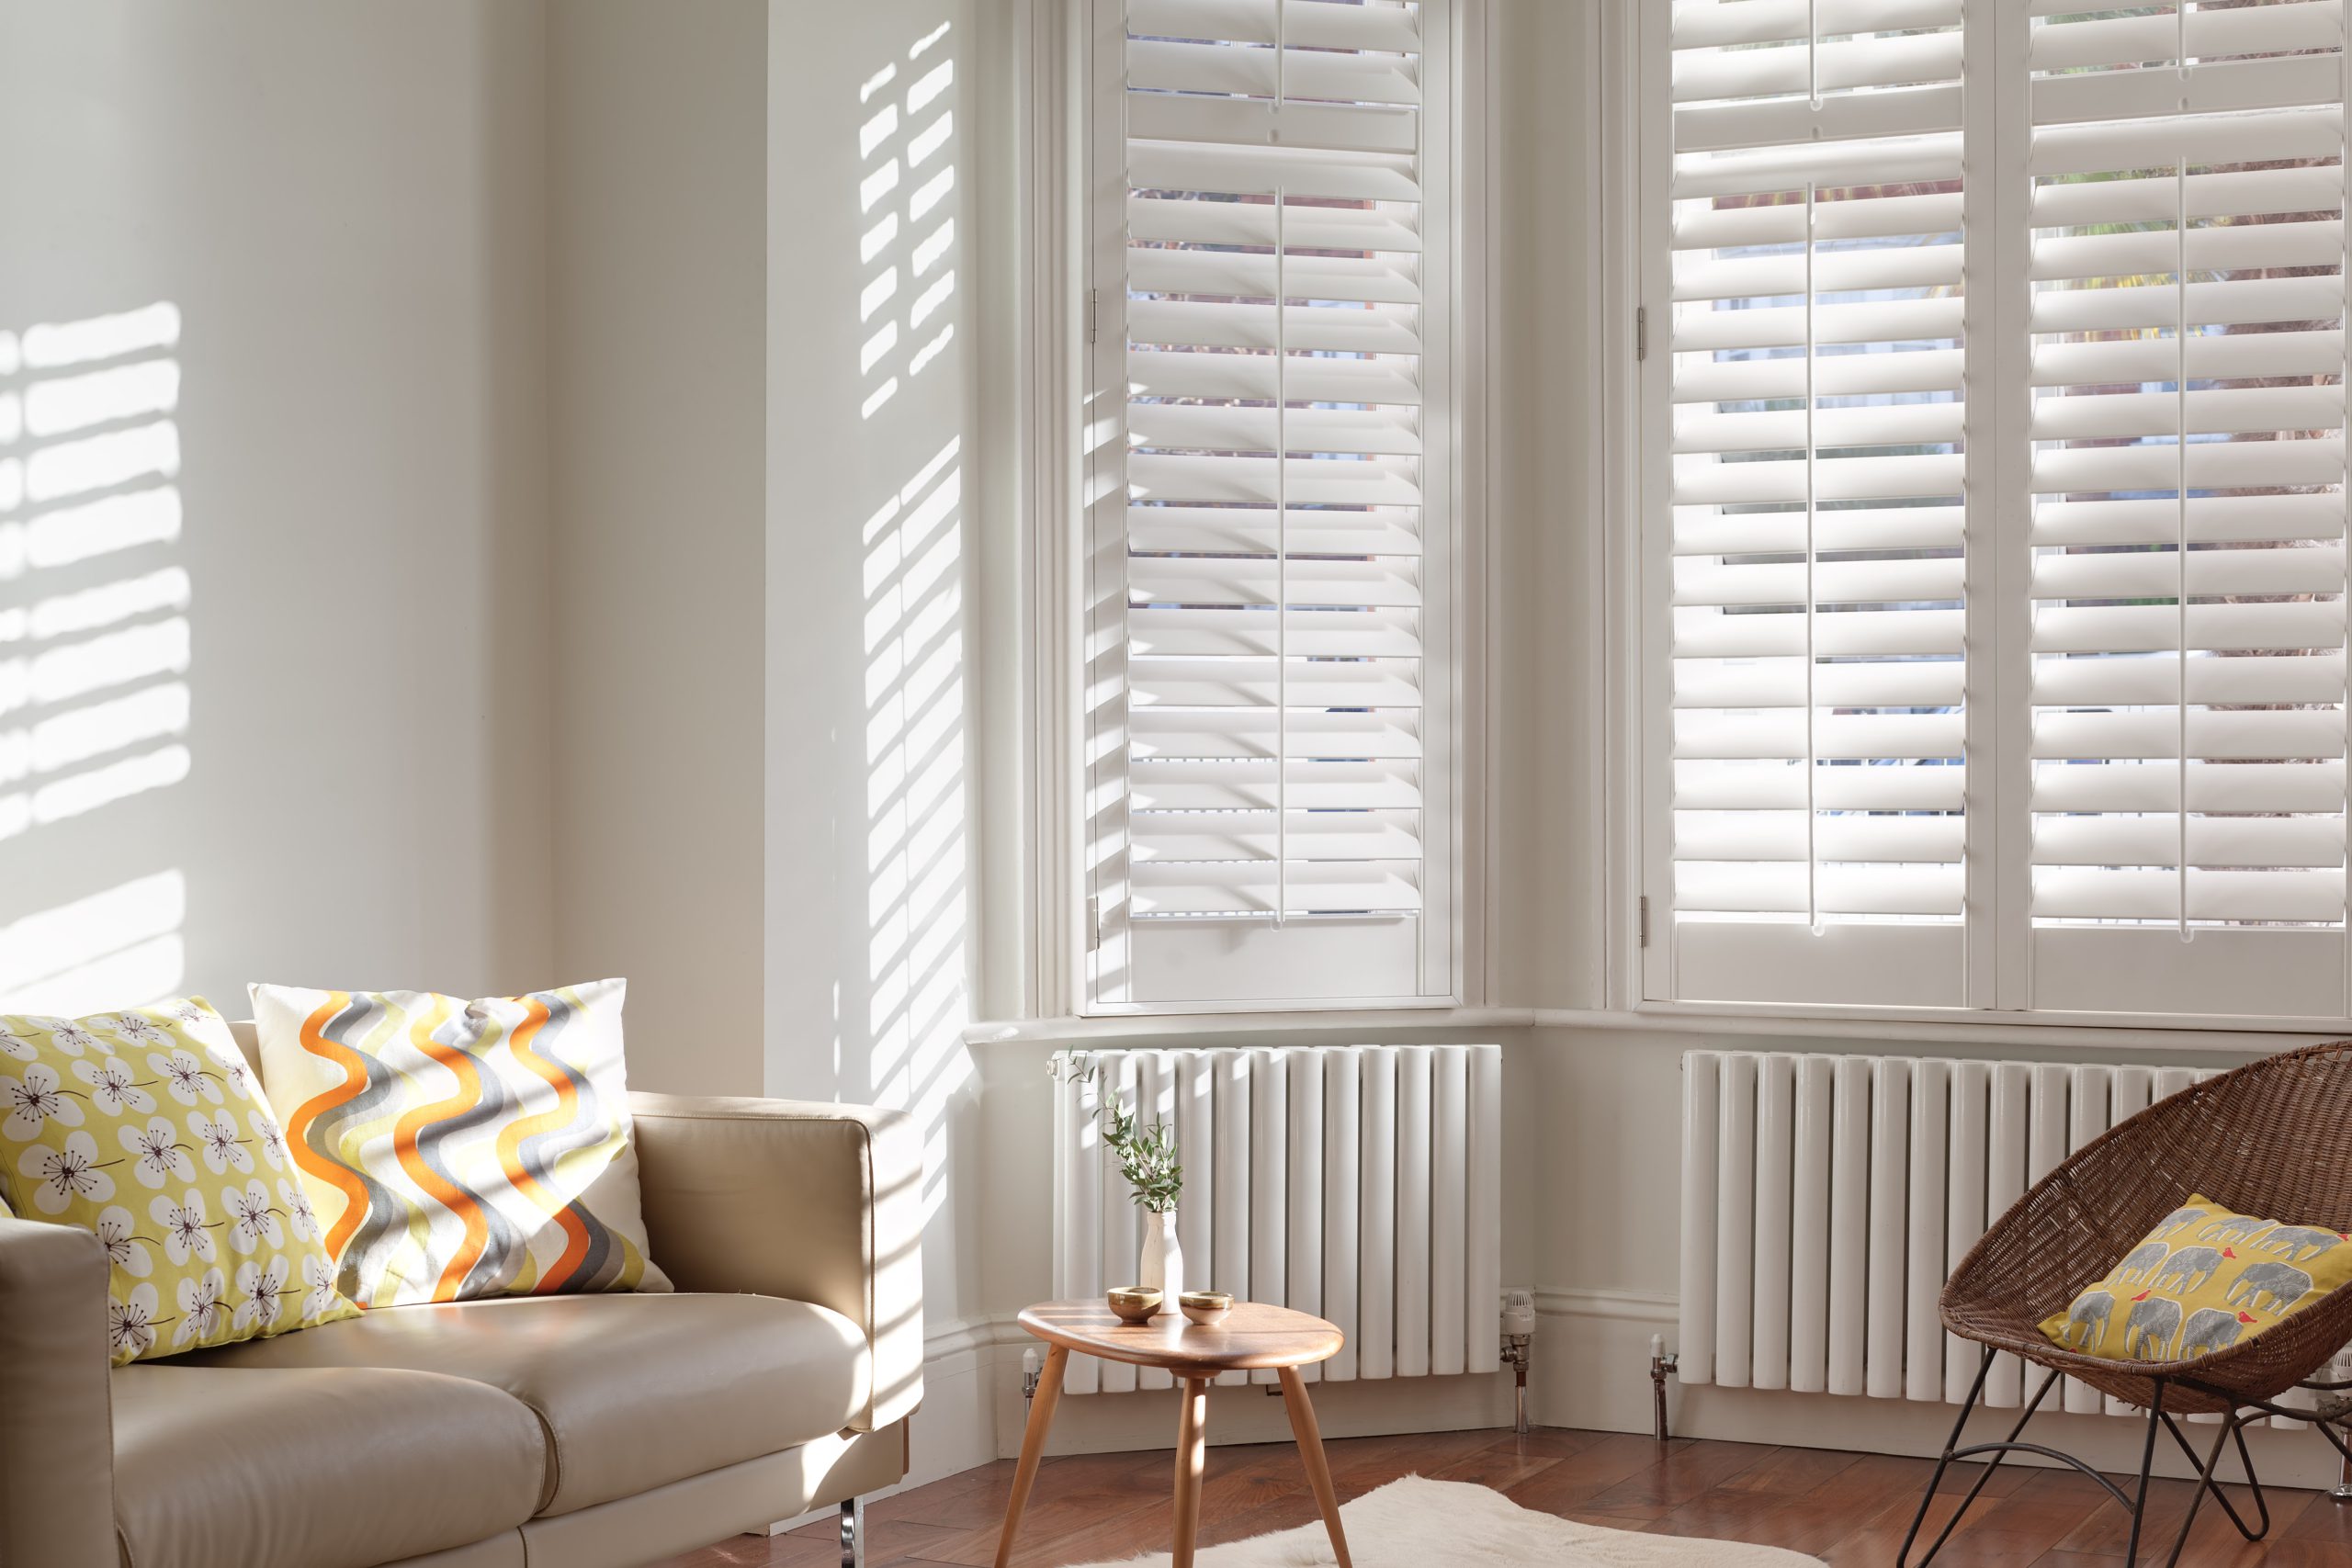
1592	1351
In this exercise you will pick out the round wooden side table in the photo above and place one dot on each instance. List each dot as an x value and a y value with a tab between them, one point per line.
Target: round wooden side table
1254	1336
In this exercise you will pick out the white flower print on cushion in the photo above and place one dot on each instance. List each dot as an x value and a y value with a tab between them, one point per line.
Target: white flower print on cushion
157	1153
189	1078
34	1098
319	1275
186	1234
130	1324
114	1086
126	1250
217	1136
252	1221
268	1139
201	1299
230	1067
15	1045
300	1218
265	1294
60	1176
70	1036
137	1029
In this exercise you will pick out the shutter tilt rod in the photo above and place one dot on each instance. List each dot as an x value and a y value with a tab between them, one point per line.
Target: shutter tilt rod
1281	562
1281	501
2180	500
1812	763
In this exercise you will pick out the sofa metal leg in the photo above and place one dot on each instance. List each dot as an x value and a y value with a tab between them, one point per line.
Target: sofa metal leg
854	1532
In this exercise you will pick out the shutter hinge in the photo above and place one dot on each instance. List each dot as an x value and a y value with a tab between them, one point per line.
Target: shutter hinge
1093	922
1643	920
1093	315
1641	332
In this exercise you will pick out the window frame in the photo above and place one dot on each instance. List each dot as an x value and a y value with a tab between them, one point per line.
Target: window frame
1069	371
1636	111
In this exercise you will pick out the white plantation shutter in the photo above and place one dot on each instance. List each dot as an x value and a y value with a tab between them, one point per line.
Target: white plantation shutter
2186	202
1813	514
1270	807
2031	699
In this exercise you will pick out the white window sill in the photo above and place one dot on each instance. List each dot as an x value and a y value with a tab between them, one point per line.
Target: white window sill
1289	1021
1979	1030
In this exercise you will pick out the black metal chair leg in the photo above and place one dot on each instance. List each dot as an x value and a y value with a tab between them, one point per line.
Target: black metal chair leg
1952	1452
2209	1472
2253	1482
1903	1557
2147	1466
2204	1483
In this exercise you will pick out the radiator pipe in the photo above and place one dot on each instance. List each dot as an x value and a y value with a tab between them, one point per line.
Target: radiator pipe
1662	1365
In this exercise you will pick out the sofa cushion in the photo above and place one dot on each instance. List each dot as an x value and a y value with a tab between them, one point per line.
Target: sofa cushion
635	1391
314	1469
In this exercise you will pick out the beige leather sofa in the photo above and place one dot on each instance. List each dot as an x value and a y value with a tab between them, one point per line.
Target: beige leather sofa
580	1431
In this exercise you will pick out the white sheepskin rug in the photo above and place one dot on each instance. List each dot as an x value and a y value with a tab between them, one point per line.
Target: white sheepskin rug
1418	1523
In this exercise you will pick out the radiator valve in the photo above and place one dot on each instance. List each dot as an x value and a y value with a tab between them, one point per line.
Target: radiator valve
1519	1339
1662	1366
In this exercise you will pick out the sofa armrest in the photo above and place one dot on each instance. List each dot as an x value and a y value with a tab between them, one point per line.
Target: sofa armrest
56	1405
810	1201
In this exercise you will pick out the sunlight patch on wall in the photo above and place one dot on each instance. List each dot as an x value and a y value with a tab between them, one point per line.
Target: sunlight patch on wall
95	646
917	831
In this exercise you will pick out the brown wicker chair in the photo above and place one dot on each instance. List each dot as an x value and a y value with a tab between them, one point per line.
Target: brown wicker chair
2273	1138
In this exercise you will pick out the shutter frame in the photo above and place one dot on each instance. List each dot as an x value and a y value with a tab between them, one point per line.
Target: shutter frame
1214	650
2060	607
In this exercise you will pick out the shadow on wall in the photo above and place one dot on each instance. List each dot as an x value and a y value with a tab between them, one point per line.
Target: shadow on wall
912	542
93	649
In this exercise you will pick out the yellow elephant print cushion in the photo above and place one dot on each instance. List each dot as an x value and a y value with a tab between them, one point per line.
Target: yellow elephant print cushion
2205	1279
145	1128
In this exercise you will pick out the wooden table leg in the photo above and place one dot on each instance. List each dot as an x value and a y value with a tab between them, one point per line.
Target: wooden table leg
1033	1448
1310	1450
1192	1458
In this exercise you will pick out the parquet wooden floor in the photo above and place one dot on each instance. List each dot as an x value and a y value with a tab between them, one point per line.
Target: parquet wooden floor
1850	1509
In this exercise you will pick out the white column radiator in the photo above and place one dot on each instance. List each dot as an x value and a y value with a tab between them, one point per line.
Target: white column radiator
1826	1199
1361	1183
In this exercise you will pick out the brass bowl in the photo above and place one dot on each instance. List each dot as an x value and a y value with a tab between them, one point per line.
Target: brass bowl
1132	1303
1204	1307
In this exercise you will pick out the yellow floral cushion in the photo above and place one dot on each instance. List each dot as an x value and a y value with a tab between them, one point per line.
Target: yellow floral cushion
145	1128
2205	1279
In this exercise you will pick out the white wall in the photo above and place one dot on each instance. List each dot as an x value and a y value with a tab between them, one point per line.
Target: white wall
657	373
342	201
873	458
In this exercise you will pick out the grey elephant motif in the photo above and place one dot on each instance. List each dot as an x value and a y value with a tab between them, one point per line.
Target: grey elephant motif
2179	1220
2089	1313
2189	1268
2209	1329
2141	1266
2282	1283
2148	1332
2296	1243
2232	1231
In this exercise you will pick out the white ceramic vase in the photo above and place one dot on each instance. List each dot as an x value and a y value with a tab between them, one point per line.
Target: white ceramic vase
1162	1263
